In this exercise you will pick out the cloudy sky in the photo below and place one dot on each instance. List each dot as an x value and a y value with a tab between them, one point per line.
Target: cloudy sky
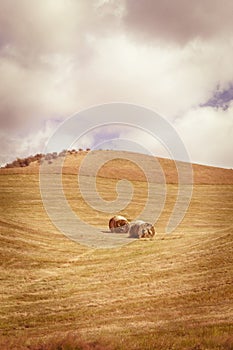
58	57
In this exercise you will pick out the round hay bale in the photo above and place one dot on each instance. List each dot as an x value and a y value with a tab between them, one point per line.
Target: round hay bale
141	229
118	224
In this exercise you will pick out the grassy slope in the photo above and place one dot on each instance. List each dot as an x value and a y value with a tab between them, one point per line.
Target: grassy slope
173	293
202	174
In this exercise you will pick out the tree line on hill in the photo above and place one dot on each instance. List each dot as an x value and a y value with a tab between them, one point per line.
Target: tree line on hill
40	157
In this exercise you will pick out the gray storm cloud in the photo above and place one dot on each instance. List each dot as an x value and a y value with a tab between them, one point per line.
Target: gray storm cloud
179	21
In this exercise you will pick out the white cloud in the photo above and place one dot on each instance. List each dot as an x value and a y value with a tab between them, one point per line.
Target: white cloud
167	79
208	135
20	146
58	57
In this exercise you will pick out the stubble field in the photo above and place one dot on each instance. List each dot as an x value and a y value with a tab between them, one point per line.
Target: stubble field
172	292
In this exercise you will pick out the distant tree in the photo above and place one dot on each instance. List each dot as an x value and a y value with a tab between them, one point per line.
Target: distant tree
21	162
26	161
48	156
16	163
38	156
63	153
54	155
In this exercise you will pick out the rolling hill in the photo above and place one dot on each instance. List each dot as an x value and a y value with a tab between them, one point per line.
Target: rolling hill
173	292
202	174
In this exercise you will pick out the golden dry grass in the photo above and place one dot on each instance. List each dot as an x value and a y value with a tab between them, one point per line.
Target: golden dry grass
126	169
173	292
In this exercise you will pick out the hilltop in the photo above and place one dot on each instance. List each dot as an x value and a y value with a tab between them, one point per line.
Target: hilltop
202	174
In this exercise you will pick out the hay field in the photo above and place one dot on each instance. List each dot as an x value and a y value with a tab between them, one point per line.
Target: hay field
173	292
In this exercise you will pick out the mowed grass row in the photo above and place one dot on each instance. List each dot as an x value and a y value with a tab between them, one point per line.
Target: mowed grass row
173	292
